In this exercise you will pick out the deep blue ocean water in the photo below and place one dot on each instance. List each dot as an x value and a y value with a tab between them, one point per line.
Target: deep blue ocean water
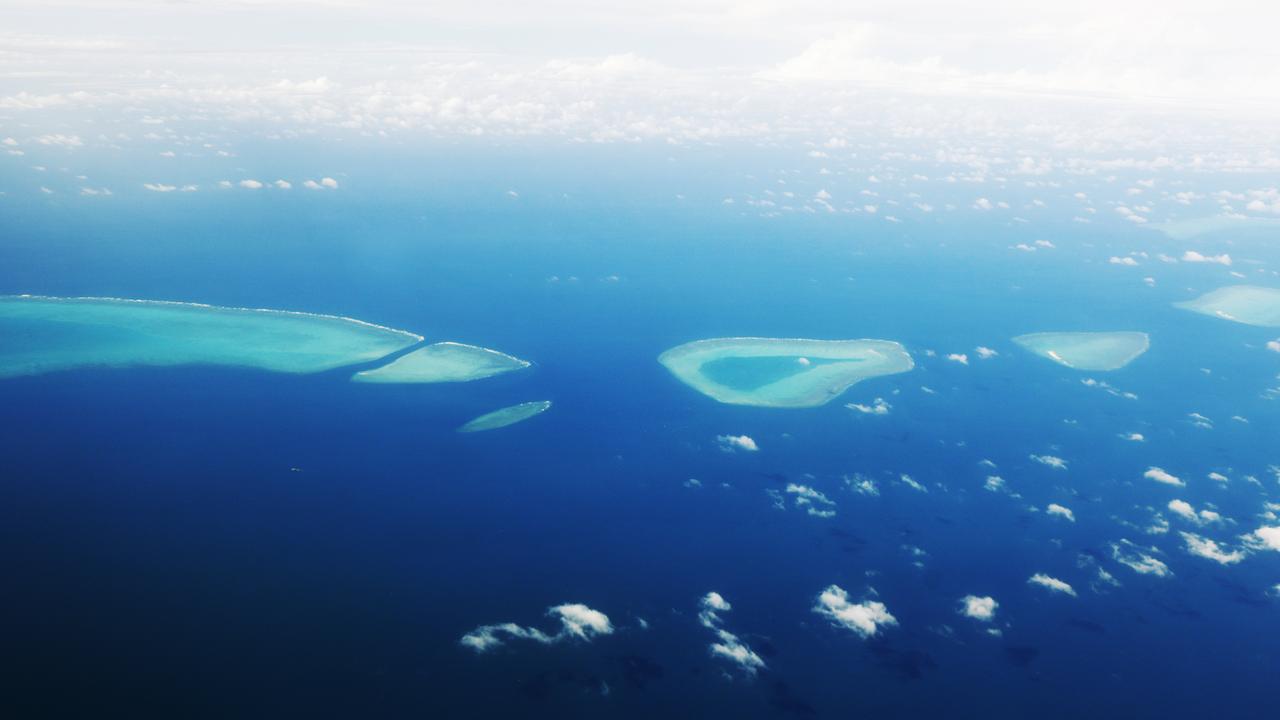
211	542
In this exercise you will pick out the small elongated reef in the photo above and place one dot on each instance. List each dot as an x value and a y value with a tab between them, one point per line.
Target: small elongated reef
443	362
1087	350
781	373
506	416
1248	304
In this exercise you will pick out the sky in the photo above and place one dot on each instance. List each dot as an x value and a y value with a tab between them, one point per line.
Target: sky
610	70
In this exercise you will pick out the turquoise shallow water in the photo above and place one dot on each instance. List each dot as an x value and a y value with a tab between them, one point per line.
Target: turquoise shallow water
50	334
749	373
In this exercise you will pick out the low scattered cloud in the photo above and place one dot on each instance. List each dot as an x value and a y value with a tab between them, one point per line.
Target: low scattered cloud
1201	546
734	443
865	618
1052	584
1160	476
878	407
1266	537
727	646
1060	511
1052	461
813	501
1184	510
1139	559
577	623
979	608
1192	256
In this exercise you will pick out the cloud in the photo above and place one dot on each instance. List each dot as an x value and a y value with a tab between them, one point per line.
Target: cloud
1123	261
1266	537
865	618
727	645
733	443
982	204
159	187
1184	510
250	184
985	353
1060	511
1201	546
1160	476
577	622
877	407
959	358
1051	583
1273	345
979	608
329	183
59	140
1192	256
1052	461
1135	558
814	501
283	184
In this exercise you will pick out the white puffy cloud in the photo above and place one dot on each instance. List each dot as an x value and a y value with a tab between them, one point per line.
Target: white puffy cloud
865	618
1184	510
329	182
1138	559
959	358
814	501
1060	511
1052	461
1160	476
979	608
1201	546
1123	261
1051	583
283	184
159	187
727	645
577	622
1273	345
1266	537
251	184
877	407
1192	256
985	353
732	443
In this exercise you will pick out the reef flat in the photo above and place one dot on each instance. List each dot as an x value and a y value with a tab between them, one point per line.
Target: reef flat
1087	350
506	416
1187	229
49	334
443	362
1248	304
782	373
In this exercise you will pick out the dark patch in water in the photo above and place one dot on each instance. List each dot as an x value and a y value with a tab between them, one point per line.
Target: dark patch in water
1021	655
638	671
786	701
1085	625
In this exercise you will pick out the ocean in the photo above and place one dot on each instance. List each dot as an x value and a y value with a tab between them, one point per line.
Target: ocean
218	542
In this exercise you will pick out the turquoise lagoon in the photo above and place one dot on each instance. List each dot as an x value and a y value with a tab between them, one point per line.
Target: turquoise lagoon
1248	304
48	334
1087	350
784	373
